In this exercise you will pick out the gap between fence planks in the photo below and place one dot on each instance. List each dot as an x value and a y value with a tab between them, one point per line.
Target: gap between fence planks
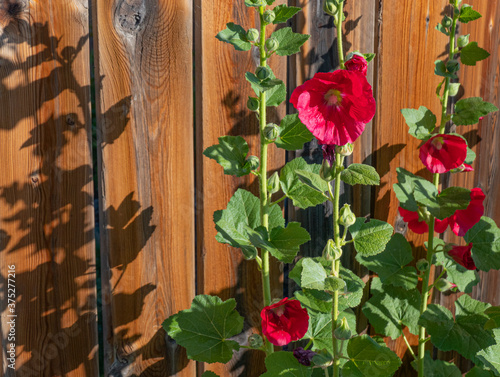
46	191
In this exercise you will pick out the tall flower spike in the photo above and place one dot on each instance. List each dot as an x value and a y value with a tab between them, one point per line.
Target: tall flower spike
335	106
442	153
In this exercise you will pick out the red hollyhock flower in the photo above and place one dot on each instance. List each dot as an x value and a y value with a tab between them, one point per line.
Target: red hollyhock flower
464	219
419	226
441	153
335	106
284	322
462	255
357	63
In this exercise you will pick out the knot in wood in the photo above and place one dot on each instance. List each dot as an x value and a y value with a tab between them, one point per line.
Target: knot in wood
129	15
15	7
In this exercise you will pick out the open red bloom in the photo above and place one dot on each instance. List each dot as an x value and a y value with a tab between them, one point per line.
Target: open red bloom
441	153
357	63
419	226
463	220
462	255
335	106
284	322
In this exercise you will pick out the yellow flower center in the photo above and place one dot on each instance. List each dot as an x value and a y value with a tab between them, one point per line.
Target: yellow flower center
333	97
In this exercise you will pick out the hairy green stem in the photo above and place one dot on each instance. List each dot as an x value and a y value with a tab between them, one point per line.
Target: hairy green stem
340	48
264	197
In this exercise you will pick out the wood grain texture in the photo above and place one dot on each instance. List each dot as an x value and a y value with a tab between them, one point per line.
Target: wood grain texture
145	131
221	96
46	191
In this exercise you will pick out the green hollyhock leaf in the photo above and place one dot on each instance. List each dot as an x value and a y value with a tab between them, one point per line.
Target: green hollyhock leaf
353	290
438	368
360	174
421	122
242	213
289	42
441	205
372	237
490	356
485	238
256	3
391	264
302	195
440	70
287	241
467	14
235	35
259	85
405	187
283	13
464	334
389	308
318	301
333	284
494	318
209	373
368	358
472	53
312	180
471	156
313	275
469	110
293	133
480	372
284	364
442	29
231	154
204	329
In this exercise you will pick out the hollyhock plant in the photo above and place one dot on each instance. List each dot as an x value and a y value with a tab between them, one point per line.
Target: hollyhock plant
284	322
442	153
419	226
465	219
335	106
462	255
357	63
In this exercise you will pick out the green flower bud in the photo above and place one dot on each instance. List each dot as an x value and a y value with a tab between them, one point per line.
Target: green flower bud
344	150
453	66
273	183
262	73
272	44
444	285
331	252
330	7
424	214
327	173
269	16
423	265
447	21
253	35
346	217
271	132
253	104
343	332
252	163
463	40
255	341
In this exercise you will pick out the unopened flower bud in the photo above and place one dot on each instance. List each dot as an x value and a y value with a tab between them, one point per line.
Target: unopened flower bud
262	73
343	332
273	183
269	16
331	252
253	104
271	132
447	21
453	66
423	265
272	44
330	7
344	150
255	341
346	217
444	285
327	172
252	163
253	35
463	40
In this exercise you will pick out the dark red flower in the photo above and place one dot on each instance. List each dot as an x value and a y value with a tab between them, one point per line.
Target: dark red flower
462	255
304	356
284	322
357	63
329	153
419	226
441	153
463	220
335	106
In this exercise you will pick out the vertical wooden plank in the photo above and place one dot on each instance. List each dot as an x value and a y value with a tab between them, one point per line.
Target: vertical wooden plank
46	191
221	96
145	121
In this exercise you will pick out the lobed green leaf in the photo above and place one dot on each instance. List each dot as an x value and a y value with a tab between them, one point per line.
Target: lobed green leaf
472	53
283	13
231	154
485	238
421	122
469	110
372	237
467	14
360	174
293	134
289	42
236	36
284	364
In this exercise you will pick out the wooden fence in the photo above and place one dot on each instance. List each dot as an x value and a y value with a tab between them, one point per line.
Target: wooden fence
156	191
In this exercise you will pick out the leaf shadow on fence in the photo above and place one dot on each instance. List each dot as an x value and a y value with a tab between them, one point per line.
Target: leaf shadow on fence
46	218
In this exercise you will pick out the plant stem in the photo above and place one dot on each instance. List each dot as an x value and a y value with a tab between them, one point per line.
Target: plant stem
408	345
264	198
340	48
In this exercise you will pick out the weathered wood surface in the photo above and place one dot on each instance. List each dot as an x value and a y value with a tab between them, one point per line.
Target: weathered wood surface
146	180
46	191
221	96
